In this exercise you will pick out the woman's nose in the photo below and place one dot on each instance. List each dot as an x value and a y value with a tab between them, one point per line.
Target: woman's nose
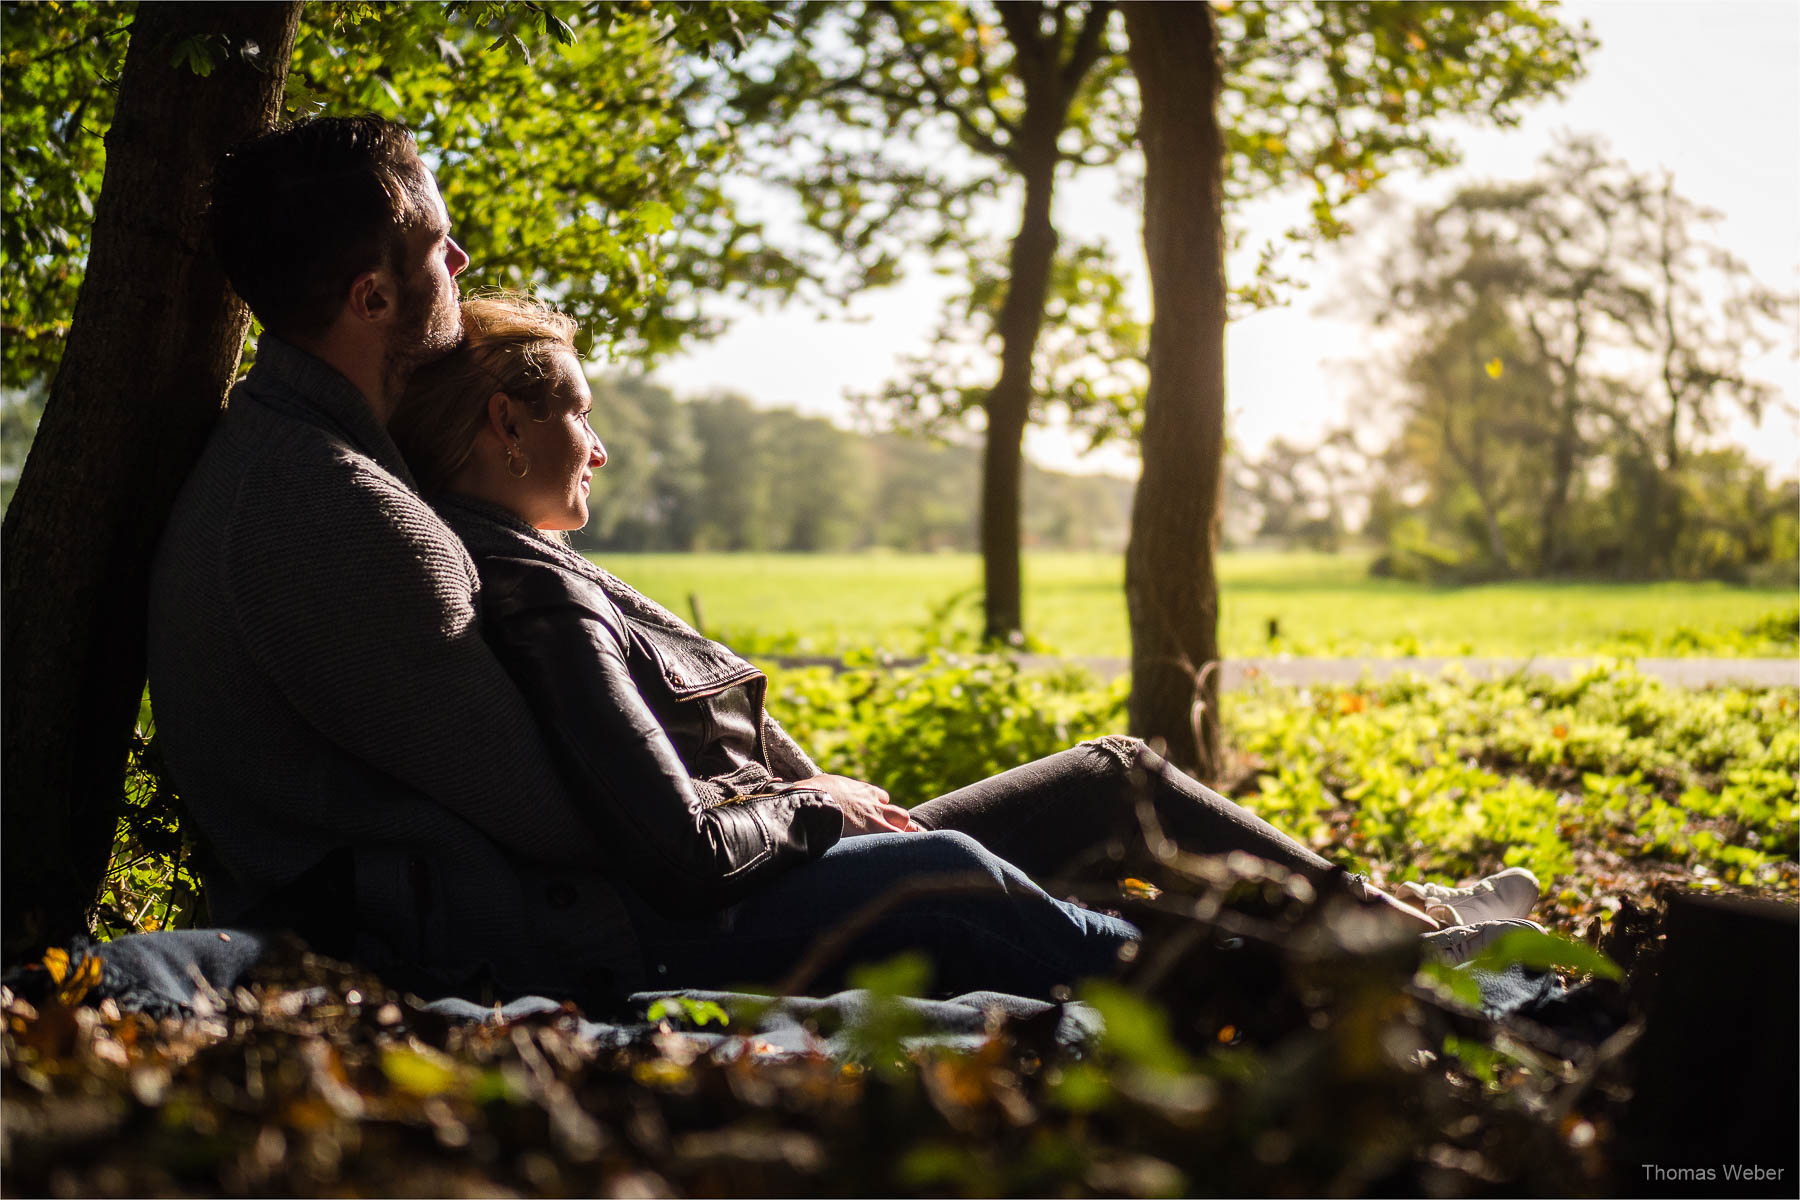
597	455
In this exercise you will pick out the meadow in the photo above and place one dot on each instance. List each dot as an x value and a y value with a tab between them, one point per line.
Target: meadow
1322	604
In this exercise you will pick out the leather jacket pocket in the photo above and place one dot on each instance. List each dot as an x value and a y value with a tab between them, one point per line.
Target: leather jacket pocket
690	666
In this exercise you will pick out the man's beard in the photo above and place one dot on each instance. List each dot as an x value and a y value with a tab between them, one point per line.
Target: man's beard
429	327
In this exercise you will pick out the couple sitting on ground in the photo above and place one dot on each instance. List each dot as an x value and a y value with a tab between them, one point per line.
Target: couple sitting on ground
409	722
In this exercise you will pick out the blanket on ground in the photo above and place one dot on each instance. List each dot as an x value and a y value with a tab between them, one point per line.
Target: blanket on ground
185	972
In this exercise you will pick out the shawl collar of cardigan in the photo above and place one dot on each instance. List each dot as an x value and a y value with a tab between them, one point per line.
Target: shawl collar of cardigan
289	380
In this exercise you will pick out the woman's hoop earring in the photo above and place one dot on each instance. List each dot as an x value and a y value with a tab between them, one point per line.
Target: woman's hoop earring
517	465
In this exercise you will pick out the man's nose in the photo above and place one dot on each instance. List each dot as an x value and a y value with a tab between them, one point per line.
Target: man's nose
456	258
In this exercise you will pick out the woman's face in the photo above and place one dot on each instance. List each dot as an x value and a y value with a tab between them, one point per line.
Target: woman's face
563	453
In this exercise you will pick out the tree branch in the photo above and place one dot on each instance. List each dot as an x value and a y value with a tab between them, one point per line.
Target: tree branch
1028	45
1087	45
984	140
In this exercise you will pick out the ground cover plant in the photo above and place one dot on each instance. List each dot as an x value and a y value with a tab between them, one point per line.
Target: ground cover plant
1603	784
1322	604
1227	1066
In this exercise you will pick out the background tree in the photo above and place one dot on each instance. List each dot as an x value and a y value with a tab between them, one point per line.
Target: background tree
1333	94
647	497
859	111
1571	341
1171	592
855	490
873	100
1475	430
1702	316
1299	493
1556	244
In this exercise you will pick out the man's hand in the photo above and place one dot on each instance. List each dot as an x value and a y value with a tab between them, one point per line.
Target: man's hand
866	807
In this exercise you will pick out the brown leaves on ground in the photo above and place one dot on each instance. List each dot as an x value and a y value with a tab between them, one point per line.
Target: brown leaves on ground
1300	1061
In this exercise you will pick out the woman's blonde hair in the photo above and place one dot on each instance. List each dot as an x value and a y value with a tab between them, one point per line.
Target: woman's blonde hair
510	344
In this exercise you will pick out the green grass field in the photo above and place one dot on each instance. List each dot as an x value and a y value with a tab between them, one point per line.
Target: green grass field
1324	605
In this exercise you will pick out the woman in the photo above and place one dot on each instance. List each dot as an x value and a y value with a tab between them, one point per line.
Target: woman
737	853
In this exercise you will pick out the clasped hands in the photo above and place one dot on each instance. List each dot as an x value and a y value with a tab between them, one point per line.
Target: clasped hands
866	808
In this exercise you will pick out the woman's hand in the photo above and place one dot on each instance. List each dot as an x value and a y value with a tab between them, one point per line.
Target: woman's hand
866	807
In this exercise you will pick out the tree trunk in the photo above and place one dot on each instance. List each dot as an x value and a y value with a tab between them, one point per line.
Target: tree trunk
155	339
1472	465
1009	405
1566	445
1668	506
1562	475
1171	590
1050	82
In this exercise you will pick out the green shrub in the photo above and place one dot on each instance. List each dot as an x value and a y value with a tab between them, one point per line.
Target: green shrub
956	719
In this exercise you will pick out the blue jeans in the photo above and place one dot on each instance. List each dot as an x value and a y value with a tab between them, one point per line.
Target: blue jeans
982	923
1073	817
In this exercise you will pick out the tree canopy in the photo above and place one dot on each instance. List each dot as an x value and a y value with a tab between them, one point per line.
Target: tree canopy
1574	341
898	126
578	150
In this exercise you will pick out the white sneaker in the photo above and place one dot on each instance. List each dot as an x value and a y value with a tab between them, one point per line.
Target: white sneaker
1499	897
1460	943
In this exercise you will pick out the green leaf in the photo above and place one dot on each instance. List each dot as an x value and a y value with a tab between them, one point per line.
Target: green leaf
1136	1029
699	1012
655	217
1450	982
418	1072
903	975
1544	952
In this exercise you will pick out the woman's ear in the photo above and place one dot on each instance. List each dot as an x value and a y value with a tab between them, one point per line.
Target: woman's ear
501	418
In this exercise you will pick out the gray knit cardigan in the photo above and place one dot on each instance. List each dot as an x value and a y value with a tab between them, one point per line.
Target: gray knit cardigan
320	683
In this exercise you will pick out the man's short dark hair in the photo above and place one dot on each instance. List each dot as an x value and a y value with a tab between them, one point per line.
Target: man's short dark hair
301	211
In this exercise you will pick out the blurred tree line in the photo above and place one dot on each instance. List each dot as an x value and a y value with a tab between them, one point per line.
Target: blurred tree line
715	473
1571	347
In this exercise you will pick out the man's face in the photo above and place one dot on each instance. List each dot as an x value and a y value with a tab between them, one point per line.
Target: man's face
429	321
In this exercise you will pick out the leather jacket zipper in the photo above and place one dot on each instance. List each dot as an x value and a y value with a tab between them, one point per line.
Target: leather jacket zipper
722	801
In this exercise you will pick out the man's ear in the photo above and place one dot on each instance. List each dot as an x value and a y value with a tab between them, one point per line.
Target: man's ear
372	297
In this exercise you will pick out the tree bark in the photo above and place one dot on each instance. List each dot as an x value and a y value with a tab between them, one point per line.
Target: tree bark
1171	590
1050	82
1563	452
1472	463
1009	404
155	339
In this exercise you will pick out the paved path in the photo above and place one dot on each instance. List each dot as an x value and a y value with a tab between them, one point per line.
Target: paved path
1684	672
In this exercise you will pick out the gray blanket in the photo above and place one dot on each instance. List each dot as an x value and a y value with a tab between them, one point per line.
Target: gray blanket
165	974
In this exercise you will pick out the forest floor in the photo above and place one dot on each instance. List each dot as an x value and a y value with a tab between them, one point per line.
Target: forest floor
1278	1053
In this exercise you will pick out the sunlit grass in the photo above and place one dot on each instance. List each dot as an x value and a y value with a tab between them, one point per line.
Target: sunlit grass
1322	604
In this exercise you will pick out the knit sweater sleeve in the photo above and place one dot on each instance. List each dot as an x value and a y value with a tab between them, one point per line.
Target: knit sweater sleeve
360	605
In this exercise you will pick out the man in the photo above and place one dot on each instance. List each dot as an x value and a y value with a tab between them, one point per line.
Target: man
357	764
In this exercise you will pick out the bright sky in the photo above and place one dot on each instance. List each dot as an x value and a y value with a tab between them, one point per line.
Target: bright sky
1707	89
